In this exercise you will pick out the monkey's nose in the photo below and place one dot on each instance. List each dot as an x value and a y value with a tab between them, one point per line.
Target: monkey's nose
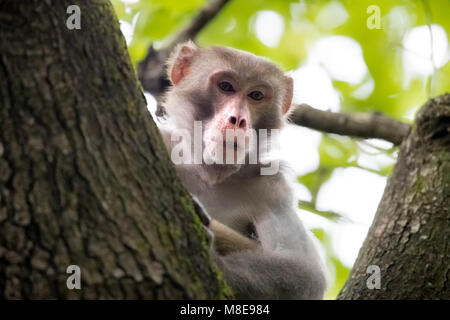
240	123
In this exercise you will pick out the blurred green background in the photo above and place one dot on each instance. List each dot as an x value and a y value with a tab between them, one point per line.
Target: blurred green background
350	55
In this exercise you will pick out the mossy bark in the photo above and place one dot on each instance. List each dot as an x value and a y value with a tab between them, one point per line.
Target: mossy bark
409	239
84	176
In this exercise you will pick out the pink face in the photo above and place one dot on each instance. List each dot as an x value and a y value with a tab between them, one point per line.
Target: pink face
238	102
231	95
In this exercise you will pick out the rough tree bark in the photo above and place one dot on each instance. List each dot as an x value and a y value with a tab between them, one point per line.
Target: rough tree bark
409	239
84	176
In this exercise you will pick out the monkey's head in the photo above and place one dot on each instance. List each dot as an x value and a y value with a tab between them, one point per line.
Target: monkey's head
225	89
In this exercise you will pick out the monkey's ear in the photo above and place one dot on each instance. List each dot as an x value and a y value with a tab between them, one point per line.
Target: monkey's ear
180	62
287	101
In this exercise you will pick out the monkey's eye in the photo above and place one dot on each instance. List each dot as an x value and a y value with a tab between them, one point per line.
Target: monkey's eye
226	86
256	95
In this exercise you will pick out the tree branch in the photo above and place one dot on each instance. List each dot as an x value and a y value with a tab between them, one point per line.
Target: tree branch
205	15
151	70
361	125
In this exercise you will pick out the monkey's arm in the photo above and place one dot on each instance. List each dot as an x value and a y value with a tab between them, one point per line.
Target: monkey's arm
227	241
286	267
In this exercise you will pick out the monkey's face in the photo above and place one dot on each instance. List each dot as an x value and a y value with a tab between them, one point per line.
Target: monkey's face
234	95
238	105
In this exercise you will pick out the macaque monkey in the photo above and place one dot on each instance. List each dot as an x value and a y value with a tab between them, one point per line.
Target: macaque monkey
259	242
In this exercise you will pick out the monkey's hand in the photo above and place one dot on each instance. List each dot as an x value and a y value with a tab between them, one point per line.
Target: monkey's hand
227	241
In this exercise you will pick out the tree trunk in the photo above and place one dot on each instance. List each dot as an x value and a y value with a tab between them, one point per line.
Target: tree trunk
84	176
409	239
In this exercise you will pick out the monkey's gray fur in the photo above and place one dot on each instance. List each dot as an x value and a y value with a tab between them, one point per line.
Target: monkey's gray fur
259	242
